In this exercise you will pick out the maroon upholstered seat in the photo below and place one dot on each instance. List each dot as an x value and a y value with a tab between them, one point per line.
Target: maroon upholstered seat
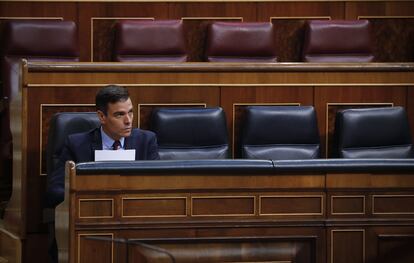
240	42
147	40
34	40
337	41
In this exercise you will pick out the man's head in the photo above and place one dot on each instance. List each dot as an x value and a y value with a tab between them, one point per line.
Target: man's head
114	109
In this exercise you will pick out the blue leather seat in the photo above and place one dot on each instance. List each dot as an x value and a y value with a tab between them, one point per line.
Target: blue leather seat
191	133
373	133
280	133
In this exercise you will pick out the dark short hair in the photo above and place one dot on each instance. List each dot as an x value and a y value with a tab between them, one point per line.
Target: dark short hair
110	94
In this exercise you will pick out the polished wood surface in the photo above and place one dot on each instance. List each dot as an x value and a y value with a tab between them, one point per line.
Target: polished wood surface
333	217
49	88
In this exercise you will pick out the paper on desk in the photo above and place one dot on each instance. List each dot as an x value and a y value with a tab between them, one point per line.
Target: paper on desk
110	155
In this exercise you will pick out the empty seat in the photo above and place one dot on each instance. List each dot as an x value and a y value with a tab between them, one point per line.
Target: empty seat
191	133
373	133
147	40
280	133
337	41
240	42
34	40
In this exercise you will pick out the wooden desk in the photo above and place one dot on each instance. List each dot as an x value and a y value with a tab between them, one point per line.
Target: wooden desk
234	216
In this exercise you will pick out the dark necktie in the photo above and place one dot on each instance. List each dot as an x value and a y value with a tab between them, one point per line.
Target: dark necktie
116	145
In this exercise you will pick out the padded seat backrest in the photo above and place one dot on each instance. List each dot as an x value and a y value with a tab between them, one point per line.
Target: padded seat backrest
337	41
280	133
373	133
240	42
63	124
147	40
191	133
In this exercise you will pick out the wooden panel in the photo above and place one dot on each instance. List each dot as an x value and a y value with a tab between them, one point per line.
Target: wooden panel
392	38
154	206
347	204
92	250
355	9
96	208
395	248
393	204
343	241
223	205
208	96
392	244
304	9
12	9
199	181
246	11
294	205
367	180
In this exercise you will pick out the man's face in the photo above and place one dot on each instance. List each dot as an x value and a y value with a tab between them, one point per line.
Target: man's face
117	122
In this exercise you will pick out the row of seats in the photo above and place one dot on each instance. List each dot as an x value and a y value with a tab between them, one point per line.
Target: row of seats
282	133
143	40
163	40
268	132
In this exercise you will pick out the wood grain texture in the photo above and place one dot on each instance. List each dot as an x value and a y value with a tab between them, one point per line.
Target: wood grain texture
213	85
222	216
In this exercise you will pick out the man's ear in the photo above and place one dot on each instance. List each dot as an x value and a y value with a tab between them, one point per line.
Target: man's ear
101	116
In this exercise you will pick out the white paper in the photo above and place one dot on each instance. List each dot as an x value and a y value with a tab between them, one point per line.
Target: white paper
110	155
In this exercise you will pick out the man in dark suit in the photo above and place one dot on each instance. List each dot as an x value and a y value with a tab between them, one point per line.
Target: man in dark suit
115	112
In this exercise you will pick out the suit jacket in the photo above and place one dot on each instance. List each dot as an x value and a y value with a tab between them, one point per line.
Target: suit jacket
80	147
